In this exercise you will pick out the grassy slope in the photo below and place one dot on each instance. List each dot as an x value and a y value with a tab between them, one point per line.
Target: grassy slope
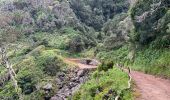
152	61
33	70
113	79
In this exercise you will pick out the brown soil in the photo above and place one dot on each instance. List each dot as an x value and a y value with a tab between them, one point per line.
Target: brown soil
79	64
151	87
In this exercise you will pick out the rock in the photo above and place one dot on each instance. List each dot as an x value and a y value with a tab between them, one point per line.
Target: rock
83	61
68	93
94	62
56	98
82	79
47	97
61	74
59	83
48	87
110	91
80	73
75	79
74	89
69	82
71	85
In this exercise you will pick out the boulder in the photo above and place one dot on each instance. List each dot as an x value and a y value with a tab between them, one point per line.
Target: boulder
56	98
71	85
94	62
48	87
75	79
81	73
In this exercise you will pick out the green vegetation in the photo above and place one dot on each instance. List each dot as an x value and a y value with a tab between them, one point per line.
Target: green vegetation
38	35
153	62
113	81
37	68
151	36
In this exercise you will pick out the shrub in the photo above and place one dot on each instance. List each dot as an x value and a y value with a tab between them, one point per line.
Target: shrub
8	92
36	51
161	42
106	65
76	44
29	75
50	63
116	56
113	79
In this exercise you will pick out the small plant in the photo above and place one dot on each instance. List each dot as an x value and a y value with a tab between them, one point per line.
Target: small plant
106	65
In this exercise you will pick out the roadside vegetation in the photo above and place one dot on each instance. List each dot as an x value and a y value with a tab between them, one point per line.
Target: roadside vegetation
105	85
39	35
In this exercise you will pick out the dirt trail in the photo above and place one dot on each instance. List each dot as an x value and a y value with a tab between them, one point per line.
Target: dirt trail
79	64
150	87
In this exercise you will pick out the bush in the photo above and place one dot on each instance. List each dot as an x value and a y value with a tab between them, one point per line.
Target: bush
106	65
50	63
76	44
29	75
8	92
116	56
161	42
113	79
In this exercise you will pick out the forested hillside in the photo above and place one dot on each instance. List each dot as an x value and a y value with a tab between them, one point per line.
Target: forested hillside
37	36
151	33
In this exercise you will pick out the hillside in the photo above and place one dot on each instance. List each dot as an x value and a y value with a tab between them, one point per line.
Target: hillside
38	38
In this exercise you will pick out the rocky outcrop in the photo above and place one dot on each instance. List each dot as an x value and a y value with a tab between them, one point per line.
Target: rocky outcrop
92	62
69	82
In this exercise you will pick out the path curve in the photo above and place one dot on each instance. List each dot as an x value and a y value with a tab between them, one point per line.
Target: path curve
151	87
79	64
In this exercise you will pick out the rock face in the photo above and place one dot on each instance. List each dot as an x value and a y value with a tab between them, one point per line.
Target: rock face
93	62
69	82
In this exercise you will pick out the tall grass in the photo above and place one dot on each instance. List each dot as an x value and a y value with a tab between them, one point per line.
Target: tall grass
101	82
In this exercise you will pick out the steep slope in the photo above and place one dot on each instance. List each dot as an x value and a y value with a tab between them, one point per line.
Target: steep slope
132	33
38	31
151	20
